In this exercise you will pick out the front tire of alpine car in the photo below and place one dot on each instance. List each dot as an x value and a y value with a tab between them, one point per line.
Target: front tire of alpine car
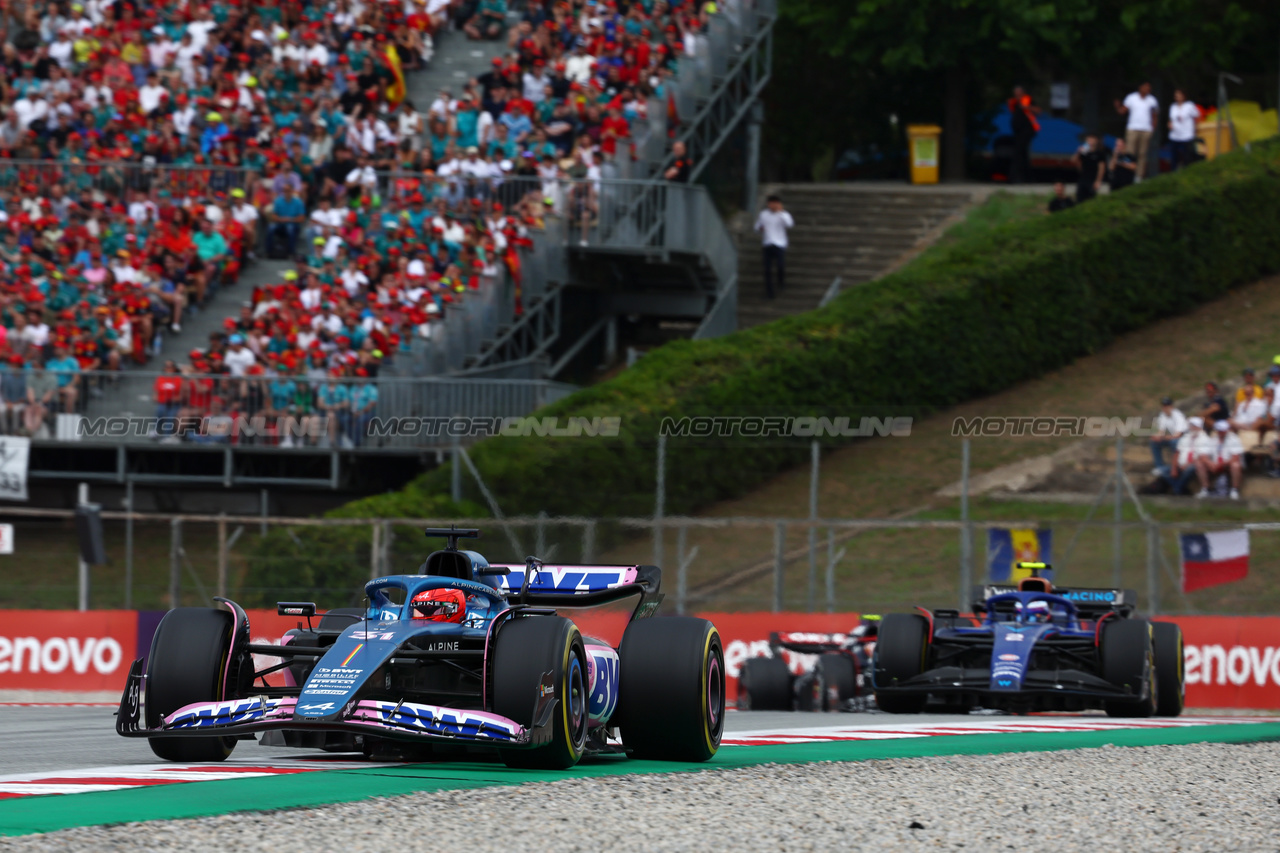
524	649
671	688
1128	663
1171	685
902	647
764	684
188	664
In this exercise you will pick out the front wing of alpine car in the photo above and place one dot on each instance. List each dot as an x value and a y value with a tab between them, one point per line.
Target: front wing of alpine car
397	720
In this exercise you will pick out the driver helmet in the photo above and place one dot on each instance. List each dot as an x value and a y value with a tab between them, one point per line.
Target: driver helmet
439	605
868	628
1038	611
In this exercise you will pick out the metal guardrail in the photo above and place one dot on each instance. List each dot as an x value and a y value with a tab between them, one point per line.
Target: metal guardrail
832	292
288	411
722	319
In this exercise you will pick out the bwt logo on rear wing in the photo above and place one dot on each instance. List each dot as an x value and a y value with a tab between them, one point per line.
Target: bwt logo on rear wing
566	579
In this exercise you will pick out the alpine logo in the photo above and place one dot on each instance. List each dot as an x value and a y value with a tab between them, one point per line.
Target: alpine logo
323	706
1004	682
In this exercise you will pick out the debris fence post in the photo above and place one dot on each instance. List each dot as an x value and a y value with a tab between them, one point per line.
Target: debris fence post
779	561
175	563
966	529
815	460
1117	573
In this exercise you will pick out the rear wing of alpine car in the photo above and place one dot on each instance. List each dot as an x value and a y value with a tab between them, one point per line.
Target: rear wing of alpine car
579	585
1090	602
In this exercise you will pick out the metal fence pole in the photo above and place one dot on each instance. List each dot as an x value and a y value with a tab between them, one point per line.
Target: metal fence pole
265	501
128	546
966	529
831	570
384	553
682	570
1153	573
779	560
540	535
222	555
175	562
589	541
375	550
455	474
1117	579
660	499
83	572
815	461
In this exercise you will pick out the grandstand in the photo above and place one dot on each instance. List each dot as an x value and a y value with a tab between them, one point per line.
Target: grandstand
346	217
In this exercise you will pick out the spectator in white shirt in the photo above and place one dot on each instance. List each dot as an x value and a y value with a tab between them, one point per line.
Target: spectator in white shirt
152	95
1170	425
1142	109
772	223
1183	467
239	357
1227	458
1183	116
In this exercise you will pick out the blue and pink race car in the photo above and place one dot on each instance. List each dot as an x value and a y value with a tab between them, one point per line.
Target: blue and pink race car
466	656
1032	647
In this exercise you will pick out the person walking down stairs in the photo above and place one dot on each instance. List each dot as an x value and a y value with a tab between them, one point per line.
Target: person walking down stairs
772	223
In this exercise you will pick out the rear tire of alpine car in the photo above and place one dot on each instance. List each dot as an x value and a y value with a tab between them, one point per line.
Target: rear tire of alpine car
1127	662
339	619
187	664
524	649
902	648
1171	685
838	671
671	688
764	684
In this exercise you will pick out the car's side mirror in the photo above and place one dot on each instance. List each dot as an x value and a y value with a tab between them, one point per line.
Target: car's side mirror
296	608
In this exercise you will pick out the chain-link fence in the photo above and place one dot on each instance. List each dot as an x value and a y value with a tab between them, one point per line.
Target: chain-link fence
710	564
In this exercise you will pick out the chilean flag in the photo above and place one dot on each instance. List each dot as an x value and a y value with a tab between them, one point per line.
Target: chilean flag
1209	559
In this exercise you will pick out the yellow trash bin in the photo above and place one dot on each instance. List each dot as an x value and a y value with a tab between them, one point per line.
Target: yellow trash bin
923	145
1216	137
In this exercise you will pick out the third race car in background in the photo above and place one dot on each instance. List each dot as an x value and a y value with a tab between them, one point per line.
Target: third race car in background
838	680
1032	647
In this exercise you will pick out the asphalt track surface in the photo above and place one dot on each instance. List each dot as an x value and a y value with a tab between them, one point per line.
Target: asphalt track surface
68	738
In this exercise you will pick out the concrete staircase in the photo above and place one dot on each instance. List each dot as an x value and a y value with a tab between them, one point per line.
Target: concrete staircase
855	231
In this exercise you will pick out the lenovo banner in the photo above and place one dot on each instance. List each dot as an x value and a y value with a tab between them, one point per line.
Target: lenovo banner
62	650
1231	662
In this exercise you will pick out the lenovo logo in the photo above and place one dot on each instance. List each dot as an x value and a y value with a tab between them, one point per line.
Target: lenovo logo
60	654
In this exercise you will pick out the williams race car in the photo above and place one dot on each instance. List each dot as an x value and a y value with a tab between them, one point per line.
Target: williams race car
837	681
464	654
1032	647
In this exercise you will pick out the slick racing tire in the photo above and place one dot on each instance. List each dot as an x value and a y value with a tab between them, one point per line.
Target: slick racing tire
524	649
187	664
671	688
764	684
839	672
902	648
1171	685
1127	663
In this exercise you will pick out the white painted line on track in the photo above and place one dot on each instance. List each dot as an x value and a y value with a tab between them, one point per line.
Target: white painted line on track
895	727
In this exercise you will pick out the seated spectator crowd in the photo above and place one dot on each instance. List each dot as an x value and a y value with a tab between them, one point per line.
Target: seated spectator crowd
1219	443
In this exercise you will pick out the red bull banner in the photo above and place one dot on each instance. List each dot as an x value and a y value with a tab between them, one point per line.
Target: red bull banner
1231	662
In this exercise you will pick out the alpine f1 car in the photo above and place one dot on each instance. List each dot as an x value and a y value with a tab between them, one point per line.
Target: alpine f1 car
837	681
1032	647
464	654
